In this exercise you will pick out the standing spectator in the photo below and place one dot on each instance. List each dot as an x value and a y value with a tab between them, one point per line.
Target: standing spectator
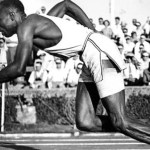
73	76
138	29
132	26
117	30
137	50
146	28
38	76
100	25
107	31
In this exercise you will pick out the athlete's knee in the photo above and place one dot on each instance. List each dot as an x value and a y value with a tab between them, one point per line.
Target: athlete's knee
84	124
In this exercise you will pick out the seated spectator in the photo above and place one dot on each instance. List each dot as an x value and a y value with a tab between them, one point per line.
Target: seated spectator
144	64
131	73
137	50
57	76
47	60
134	38
129	45
58	59
73	76
146	76
107	31
38	76
71	62
125	31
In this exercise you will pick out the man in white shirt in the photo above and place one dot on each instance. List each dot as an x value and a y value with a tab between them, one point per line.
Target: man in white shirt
57	76
100	25
38	76
137	50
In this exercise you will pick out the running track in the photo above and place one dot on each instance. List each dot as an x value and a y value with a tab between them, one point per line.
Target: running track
68	141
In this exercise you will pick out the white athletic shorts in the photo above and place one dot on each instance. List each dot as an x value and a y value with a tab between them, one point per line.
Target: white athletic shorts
100	69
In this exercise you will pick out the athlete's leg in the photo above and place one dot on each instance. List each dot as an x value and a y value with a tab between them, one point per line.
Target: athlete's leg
87	99
115	106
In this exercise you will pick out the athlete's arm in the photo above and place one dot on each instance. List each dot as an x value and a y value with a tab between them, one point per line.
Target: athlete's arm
18	66
71	9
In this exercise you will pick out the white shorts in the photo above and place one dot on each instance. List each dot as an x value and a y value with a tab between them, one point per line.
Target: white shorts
109	80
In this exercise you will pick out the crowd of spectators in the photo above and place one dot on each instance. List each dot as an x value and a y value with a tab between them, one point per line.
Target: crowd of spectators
133	41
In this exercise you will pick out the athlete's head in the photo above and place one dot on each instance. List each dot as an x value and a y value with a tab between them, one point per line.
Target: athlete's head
11	14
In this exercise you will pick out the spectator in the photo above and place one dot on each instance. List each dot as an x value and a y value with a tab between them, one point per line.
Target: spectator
43	10
131	73
71	63
132	26
117	30
137	50
129	45
125	31
3	52
146	76
38	76
144	64
47	60
134	38
138	29
100	25
107	31
73	76
146	28
122	51
57	76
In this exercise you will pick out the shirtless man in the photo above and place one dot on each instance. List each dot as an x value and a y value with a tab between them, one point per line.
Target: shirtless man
101	76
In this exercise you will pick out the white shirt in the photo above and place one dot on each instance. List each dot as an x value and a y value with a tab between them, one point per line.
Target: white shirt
137	50
134	72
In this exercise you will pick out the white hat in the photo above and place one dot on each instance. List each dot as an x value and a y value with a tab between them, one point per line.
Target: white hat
146	54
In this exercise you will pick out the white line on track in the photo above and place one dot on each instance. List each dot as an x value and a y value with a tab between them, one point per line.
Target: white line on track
79	144
59	135
64	140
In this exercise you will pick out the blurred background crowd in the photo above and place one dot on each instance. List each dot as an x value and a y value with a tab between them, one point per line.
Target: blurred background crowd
47	71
